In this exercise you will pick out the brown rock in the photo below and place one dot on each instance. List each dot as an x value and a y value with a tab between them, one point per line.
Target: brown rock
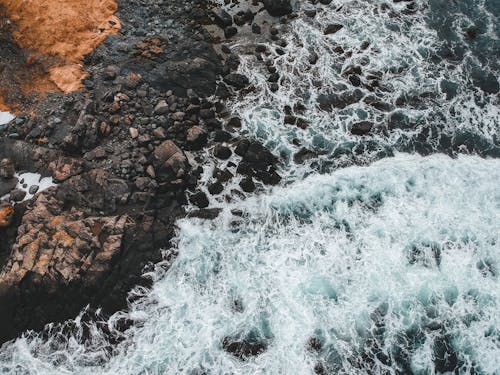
64	168
7	169
6	215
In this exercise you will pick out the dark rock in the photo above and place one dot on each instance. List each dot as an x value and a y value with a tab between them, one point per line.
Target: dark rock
17	195
215	188
206	213
361	128
7	185
222	18
196	137
199	199
333	28
247	185
222	152
329	101
236	80
278	8
230	31
33	189
243	348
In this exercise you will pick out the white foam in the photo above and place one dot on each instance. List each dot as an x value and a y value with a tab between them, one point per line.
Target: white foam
28	179
5	117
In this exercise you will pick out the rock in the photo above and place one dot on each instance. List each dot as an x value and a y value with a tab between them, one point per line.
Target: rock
215	188
7	185
247	185
17	195
243	348
361	128
332	28
196	137
236	80
170	157
206	213
7	169
329	101
222	18
161	108
303	155
64	168
222	152
278	8
33	189
234	122
198	73
199	199
230	31
6	215
134	133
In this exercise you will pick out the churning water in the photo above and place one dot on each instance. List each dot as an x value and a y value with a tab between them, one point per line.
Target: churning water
369	258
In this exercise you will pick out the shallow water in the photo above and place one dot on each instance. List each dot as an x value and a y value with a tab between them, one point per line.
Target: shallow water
369	258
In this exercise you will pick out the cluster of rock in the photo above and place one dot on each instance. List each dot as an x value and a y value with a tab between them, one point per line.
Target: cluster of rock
126	153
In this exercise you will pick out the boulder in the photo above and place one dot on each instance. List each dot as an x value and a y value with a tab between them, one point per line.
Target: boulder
278	8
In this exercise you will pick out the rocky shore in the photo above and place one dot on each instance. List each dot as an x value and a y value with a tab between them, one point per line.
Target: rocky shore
126	153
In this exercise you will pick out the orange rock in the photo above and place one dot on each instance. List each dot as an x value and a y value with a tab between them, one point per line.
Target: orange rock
62	32
6	216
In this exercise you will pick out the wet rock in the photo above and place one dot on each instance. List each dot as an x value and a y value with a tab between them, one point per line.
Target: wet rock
206	213
332	28
222	18
361	128
222	152
303	155
243	348
215	188
247	185
33	189
236	80
199	199
329	101
278	8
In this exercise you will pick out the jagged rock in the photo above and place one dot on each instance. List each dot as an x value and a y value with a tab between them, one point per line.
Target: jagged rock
6	215
64	168
196	137
199	199
222	18
243	348
169	156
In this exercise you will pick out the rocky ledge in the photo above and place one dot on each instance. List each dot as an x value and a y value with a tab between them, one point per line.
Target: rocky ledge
126	153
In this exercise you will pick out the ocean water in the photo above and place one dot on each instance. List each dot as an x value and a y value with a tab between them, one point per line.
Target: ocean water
380	255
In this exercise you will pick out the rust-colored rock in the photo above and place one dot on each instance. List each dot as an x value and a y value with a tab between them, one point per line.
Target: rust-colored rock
60	33
60	247
6	215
